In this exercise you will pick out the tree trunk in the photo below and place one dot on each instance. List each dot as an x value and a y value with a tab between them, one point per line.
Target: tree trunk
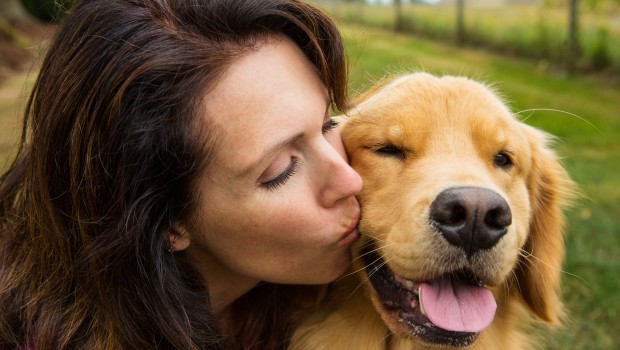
460	22
573	35
398	8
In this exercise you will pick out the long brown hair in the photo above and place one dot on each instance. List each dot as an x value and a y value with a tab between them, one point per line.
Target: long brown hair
106	164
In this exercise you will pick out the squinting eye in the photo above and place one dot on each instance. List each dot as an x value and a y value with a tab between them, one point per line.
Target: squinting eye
390	151
331	123
502	160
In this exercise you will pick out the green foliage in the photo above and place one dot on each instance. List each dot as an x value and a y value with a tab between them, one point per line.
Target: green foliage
599	56
542	40
48	10
592	3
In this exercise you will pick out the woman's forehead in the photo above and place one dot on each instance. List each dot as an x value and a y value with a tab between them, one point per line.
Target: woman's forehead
261	101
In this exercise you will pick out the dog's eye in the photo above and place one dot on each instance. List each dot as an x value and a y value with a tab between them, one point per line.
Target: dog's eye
502	160
390	151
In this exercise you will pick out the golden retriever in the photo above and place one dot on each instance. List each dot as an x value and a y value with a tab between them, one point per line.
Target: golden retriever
462	224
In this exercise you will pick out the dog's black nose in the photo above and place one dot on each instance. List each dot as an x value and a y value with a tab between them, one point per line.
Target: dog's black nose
471	218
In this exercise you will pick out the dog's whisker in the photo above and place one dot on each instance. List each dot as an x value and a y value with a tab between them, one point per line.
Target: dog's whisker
374	250
376	269
362	282
526	258
367	278
524	254
513	283
350	274
359	257
532	256
558	111
385	339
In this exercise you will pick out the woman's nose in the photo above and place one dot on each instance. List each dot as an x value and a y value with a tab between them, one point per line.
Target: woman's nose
338	179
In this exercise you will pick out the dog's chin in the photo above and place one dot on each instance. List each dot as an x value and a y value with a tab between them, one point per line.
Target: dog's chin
399	303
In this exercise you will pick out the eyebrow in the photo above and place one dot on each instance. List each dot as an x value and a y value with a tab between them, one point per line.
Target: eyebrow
273	149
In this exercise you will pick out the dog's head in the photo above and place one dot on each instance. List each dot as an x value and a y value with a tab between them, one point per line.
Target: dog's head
460	201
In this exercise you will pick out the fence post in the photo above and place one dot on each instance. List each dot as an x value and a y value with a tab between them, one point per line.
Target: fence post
573	35
460	22
398	25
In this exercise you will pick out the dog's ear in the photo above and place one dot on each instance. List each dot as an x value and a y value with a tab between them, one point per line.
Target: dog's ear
539	270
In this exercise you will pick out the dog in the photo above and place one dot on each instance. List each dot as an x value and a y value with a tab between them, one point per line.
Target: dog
462	225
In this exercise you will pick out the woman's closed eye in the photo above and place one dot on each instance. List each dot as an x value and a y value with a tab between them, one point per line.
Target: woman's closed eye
281	178
272	182
329	125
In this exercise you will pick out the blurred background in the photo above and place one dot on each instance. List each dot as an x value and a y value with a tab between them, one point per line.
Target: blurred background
556	62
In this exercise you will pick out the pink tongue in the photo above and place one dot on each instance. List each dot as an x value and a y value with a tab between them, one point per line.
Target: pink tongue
456	306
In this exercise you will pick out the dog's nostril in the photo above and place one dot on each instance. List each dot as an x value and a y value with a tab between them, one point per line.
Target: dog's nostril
450	214
458	214
470	218
498	218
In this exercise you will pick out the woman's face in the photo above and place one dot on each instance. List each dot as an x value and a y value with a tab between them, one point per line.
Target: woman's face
277	204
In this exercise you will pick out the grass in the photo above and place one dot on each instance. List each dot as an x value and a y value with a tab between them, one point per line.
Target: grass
588	140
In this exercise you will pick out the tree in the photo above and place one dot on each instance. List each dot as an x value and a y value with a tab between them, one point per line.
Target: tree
573	35
460	21
399	25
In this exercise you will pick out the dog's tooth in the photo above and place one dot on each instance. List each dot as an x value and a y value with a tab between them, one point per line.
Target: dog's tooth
409	284
420	299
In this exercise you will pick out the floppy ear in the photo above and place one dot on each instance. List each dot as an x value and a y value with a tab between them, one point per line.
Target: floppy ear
539	270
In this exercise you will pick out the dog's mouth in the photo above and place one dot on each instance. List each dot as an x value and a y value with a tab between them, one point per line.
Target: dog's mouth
450	310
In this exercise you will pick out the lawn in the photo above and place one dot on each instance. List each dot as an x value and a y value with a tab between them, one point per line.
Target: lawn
584	112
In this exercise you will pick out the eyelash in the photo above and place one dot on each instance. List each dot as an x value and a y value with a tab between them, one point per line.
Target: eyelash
283	177
332	123
292	168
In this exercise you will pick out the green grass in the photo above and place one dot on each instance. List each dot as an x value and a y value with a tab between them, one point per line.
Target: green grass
589	142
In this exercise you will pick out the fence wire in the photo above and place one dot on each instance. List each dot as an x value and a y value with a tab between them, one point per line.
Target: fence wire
530	28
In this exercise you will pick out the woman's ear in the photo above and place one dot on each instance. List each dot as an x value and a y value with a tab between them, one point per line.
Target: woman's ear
178	238
539	271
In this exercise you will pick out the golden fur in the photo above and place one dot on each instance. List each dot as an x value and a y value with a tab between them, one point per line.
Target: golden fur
410	139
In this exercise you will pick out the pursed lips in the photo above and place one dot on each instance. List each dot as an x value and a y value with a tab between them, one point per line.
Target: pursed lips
351	235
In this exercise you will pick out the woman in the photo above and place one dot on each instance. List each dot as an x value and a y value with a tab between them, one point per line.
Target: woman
178	169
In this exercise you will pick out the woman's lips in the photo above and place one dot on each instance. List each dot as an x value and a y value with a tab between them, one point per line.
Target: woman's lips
351	234
349	238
